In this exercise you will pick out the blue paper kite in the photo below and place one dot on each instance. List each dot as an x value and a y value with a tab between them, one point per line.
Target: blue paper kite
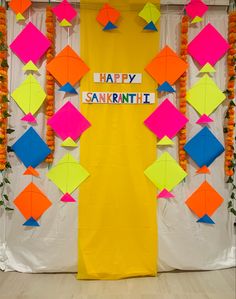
204	148
30	148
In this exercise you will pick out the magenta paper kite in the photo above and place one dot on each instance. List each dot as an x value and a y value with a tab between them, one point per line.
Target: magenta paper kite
196	8
208	46
30	44
68	122
65	10
166	121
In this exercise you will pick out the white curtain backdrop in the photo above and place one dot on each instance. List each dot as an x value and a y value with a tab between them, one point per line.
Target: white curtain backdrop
183	243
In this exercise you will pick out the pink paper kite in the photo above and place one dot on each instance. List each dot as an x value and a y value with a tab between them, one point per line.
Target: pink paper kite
166	120
208	46
196	8
68	122
30	44
65	10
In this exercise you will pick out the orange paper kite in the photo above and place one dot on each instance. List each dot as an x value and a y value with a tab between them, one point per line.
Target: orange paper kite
166	67
107	16
19	6
67	67
32	203
204	202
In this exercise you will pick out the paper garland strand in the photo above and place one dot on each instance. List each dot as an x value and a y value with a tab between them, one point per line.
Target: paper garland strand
50	82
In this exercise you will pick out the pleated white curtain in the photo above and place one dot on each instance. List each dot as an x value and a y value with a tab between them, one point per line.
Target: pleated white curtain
183	244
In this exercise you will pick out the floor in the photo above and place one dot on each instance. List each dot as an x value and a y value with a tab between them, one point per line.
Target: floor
219	284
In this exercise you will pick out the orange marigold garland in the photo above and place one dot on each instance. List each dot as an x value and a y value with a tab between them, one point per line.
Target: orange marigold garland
229	129
3	89
50	87
183	91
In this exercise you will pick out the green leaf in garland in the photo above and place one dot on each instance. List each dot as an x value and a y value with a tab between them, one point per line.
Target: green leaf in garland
4	63
9	209
225	130
6	181
9	131
6	114
230	204
1	202
230	180
1	140
232	210
1	184
5	197
5	99
8	165
232	195
3	47
9	149
232	103
232	78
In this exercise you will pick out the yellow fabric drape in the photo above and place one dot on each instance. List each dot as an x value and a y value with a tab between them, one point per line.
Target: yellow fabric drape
117	203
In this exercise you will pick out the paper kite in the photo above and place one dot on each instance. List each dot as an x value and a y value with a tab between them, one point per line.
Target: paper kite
31	149
151	15
69	124
67	68
204	202
30	45
205	96
107	17
204	148
165	173
166	68
32	203
165	122
67	175
19	7
29	96
65	13
208	46
195	9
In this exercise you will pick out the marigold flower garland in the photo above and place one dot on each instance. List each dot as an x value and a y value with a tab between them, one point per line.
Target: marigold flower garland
229	129
3	89
183	89
50	87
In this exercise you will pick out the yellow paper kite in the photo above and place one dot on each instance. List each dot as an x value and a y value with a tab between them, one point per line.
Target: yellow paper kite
165	173
67	175
29	96
205	96
151	15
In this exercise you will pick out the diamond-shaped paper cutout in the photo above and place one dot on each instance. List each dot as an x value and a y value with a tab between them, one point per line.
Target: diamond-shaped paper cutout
19	6
108	16
166	66
68	174
29	96
67	67
31	149
30	44
208	46
196	8
205	200
166	120
65	10
204	148
165	172
32	202
69	122
205	96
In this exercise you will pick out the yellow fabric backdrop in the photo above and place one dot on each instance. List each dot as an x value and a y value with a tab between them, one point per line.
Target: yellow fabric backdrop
117	203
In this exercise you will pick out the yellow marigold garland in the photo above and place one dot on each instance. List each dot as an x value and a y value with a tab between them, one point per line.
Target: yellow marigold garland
183	89
3	89
229	129
50	87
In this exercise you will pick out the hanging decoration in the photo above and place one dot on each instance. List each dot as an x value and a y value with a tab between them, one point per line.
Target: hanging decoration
151	14
67	68
65	13
165	122
32	203
166	68
19	7
165	174
205	96
183	90
208	46
3	89
107	17
195	9
229	129
50	82
204	202
69	124
67	175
